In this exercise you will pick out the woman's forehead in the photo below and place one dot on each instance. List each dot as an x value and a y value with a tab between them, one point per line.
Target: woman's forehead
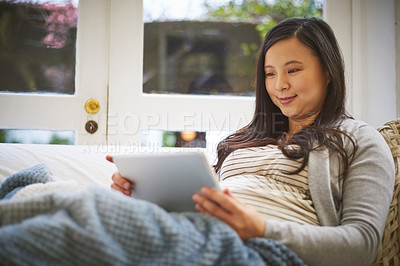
288	51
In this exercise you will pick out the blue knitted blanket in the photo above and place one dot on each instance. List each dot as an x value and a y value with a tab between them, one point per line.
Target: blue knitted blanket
98	226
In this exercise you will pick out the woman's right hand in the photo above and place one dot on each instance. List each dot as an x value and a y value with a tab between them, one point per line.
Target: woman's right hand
119	182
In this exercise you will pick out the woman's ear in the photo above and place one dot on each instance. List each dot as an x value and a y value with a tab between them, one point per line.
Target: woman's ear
328	77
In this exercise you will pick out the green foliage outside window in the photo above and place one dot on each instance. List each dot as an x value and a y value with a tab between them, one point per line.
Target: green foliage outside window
264	13
35	137
56	139
3	136
169	139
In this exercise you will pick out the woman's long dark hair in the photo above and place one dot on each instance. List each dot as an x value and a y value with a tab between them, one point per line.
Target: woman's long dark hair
270	126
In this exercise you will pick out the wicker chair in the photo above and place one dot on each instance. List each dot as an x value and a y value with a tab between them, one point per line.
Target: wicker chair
389	251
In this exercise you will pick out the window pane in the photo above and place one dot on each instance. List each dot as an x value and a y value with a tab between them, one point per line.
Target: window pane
155	139
159	138
37	136
197	57
209	46
37	46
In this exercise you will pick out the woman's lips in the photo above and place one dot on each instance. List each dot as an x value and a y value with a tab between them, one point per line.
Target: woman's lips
286	100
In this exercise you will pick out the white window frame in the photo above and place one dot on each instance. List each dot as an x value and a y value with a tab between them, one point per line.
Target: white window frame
131	111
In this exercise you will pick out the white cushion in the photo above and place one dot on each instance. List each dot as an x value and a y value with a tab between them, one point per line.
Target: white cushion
87	165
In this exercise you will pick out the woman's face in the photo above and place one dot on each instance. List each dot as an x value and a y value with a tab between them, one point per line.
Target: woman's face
296	81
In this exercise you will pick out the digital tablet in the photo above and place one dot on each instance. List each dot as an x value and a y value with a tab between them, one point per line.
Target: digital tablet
168	179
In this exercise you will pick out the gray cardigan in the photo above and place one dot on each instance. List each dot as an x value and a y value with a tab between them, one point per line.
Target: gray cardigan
352	211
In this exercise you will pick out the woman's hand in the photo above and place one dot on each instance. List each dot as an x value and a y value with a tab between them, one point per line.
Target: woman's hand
119	182
246	221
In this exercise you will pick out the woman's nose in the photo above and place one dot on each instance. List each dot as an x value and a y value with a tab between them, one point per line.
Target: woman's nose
281	83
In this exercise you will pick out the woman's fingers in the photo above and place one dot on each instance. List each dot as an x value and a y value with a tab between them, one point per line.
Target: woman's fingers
246	221
208	205
223	199
121	184
109	158
115	187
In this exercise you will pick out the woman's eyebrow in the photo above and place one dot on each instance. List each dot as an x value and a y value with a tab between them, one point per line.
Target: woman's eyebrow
287	63
293	62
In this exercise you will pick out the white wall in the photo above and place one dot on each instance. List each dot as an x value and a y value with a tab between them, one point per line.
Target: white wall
366	32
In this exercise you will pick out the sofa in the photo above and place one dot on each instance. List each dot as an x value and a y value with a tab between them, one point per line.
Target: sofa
82	166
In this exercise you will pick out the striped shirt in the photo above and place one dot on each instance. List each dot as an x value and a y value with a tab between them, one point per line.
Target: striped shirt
260	178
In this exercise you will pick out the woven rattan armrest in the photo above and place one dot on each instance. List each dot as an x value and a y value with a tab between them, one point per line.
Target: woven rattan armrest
389	250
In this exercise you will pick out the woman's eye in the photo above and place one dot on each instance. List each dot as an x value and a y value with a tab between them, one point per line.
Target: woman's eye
270	74
294	70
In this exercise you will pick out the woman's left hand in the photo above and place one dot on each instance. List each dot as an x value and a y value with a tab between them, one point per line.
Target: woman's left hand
246	221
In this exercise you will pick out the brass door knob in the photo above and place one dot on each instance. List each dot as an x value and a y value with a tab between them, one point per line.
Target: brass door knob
92	106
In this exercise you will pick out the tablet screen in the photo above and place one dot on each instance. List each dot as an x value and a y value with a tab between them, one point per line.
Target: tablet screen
168	179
